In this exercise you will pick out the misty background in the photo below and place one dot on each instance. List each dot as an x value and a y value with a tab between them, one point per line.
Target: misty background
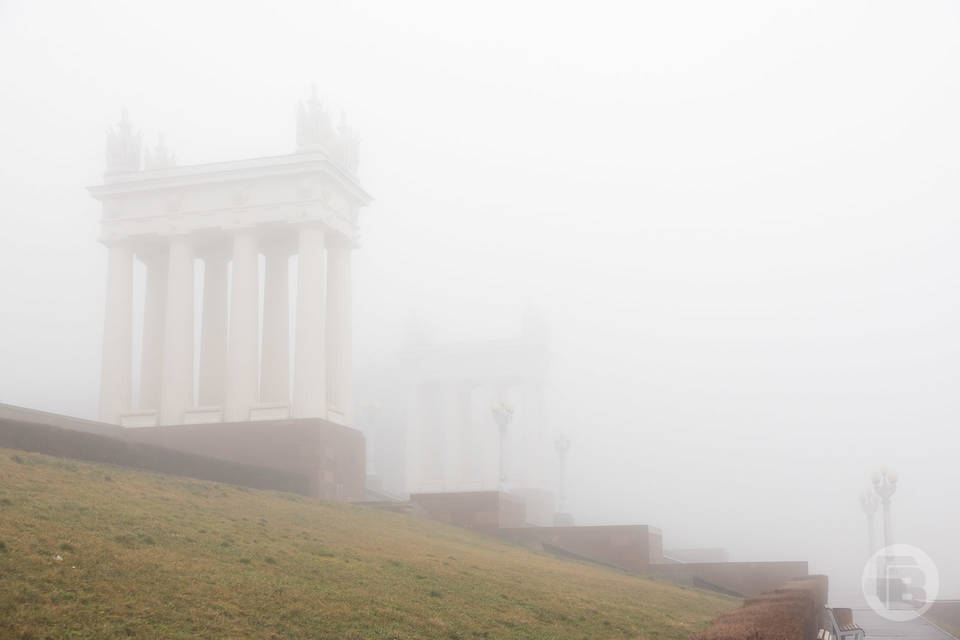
738	219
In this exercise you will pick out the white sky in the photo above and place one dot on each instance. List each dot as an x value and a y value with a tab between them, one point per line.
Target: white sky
741	219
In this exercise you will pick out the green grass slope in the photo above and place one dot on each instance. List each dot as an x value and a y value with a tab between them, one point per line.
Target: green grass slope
92	551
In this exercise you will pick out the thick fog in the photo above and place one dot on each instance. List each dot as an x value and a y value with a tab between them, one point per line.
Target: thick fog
738	220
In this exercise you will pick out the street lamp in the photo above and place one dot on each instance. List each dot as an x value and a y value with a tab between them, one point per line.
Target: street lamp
562	445
869	503
502	415
885	484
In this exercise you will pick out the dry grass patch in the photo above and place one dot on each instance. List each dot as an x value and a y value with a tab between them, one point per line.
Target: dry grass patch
96	551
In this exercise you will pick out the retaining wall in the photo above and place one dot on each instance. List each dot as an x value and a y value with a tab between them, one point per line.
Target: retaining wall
627	547
92	447
309	456
485	511
744	579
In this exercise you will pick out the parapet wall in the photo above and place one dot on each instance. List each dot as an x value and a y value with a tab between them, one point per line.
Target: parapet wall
93	447
744	579
13	413
636	548
626	547
701	554
485	511
331	456
791	612
309	456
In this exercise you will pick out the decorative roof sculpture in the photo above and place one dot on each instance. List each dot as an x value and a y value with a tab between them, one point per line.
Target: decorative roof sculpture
160	158
315	132
123	146
349	146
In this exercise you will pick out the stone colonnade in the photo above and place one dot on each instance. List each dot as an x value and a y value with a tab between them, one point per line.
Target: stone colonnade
238	379
453	442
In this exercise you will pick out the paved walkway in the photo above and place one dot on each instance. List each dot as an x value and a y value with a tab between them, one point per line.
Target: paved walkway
877	626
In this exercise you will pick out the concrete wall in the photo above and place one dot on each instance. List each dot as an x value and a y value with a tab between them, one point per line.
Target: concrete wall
11	412
626	547
737	578
540	504
331	455
656	546
327	459
485	511
93	447
705	554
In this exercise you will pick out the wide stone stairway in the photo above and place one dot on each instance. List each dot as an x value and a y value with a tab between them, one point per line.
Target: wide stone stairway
876	626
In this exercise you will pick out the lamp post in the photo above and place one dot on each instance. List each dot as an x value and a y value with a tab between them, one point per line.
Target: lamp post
562	445
502	415
885	484
869	503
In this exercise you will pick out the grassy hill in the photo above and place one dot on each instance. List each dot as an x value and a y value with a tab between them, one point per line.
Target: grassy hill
93	551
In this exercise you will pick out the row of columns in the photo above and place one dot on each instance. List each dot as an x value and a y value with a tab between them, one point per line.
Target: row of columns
453	440
231	373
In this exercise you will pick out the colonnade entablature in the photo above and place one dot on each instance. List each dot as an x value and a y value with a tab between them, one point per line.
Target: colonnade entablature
239	223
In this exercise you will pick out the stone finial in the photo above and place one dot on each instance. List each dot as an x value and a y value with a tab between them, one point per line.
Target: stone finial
123	146
349	145
315	132
160	158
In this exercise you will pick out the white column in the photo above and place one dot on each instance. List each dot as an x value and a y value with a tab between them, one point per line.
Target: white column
309	386
154	309
242	358
117	363
413	419
339	335
213	331
468	452
176	390
275	361
450	434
